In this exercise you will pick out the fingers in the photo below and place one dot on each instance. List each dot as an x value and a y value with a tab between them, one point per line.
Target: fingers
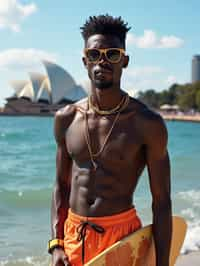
59	258
65	260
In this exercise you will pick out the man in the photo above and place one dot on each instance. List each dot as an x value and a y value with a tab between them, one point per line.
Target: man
103	144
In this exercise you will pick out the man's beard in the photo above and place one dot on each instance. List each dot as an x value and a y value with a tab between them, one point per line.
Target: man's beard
100	84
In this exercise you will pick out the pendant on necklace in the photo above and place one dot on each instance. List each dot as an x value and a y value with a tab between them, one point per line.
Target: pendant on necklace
95	166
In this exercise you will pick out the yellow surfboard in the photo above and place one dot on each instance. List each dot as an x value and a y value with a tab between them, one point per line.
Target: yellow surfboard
138	248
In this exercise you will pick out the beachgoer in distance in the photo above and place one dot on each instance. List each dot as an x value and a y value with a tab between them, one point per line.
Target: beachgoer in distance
103	144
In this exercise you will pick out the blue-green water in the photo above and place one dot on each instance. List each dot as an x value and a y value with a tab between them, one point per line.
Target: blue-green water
27	172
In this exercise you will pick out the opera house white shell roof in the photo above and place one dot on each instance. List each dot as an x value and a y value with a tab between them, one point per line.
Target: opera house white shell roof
63	85
27	91
18	85
36	80
45	91
54	87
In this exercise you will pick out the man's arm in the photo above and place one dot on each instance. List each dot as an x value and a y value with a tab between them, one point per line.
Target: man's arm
159	175
61	192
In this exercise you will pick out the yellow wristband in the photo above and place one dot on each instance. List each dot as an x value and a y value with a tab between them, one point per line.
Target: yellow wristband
55	243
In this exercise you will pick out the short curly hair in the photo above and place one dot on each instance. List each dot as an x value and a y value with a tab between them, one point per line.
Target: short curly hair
105	24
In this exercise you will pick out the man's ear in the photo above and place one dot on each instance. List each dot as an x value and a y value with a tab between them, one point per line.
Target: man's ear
126	61
84	61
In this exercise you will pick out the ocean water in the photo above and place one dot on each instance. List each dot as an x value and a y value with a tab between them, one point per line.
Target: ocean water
27	172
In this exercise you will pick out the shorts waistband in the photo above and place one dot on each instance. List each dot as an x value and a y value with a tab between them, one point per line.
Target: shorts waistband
114	219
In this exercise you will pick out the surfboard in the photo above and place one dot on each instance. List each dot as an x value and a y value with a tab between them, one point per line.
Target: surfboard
138	249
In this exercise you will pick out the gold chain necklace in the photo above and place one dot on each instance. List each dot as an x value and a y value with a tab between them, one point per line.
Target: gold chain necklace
87	134
108	112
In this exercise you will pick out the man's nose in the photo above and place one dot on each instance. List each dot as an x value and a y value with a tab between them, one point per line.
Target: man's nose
103	58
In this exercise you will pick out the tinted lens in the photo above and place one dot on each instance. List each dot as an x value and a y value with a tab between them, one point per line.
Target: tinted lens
113	55
93	55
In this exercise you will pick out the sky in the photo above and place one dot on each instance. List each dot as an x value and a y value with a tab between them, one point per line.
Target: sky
164	37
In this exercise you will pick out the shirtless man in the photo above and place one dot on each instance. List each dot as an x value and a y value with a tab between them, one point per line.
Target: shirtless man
103	144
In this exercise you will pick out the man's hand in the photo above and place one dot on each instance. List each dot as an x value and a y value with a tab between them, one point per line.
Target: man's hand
59	258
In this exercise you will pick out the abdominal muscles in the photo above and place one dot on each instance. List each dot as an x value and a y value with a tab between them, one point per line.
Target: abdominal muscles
94	194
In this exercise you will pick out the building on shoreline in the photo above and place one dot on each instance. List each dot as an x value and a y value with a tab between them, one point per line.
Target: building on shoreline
196	68
43	94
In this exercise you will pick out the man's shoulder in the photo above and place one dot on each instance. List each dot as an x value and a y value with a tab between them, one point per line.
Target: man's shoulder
82	105
150	122
65	113
64	117
68	112
144	113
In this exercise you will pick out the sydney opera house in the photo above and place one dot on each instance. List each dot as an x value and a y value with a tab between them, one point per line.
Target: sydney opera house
43	94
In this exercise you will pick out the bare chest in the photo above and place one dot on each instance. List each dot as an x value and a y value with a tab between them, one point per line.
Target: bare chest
110	141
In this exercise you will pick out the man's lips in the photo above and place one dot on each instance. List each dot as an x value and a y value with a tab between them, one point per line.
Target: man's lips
103	74
102	71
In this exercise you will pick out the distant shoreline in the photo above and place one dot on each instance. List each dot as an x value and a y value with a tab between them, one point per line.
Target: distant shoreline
181	117
166	116
27	114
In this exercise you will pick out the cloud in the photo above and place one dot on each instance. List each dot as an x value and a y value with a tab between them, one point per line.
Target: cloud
139	72
12	13
24	59
142	78
150	39
171	80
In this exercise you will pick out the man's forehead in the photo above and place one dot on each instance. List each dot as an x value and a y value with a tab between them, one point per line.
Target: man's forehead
103	41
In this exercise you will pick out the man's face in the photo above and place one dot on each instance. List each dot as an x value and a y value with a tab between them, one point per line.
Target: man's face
103	73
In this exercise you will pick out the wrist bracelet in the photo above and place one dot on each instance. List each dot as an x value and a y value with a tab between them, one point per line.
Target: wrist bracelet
56	242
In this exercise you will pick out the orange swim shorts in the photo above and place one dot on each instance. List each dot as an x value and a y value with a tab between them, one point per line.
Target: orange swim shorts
86	237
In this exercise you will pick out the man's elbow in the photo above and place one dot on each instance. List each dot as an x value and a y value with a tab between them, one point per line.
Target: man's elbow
162	205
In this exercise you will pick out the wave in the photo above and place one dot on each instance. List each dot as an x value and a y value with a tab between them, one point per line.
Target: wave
192	240
23	199
192	196
188	203
43	260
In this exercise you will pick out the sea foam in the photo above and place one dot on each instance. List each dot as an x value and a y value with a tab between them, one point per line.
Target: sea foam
192	216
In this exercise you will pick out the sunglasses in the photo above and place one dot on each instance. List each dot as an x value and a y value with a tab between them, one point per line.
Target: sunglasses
112	55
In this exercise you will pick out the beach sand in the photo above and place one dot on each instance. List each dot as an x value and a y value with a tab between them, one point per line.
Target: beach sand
191	259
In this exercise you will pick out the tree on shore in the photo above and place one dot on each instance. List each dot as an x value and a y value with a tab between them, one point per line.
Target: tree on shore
187	96
198	100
